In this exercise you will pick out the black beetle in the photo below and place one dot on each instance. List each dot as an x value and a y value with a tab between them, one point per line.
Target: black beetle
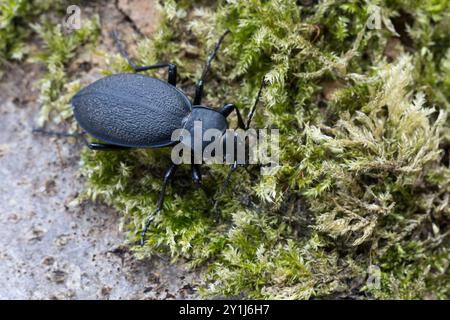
137	111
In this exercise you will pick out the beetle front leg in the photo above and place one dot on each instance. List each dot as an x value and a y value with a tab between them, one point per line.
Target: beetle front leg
167	176
228	108
172	78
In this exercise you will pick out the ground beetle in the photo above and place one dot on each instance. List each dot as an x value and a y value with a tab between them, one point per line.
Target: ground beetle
137	111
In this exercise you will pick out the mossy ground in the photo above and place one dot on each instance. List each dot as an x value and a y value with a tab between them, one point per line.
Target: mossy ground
360	94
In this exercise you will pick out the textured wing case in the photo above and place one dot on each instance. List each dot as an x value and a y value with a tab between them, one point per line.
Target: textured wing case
131	110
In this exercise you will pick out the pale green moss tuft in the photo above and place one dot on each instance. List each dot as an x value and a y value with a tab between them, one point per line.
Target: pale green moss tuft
56	89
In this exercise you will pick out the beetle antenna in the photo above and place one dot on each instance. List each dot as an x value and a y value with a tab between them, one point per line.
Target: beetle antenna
212	55
252	111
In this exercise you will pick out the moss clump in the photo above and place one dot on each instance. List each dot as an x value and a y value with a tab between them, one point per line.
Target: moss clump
15	19
59	48
364	173
19	21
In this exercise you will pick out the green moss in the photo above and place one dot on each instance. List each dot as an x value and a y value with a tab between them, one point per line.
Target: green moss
56	89
364	173
19	21
15	19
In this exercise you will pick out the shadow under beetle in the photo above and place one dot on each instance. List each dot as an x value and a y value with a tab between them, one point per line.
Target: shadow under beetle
137	111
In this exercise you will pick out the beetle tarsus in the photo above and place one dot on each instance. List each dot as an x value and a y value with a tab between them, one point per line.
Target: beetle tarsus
167	176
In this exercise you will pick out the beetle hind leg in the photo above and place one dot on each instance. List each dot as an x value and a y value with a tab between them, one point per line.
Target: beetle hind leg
80	136
172	78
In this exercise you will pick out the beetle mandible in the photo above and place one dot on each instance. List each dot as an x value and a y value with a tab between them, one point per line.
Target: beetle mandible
130	110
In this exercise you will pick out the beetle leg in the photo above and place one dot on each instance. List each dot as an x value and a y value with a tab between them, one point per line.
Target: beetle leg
172	79
167	176
106	147
212	55
228	108
77	135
